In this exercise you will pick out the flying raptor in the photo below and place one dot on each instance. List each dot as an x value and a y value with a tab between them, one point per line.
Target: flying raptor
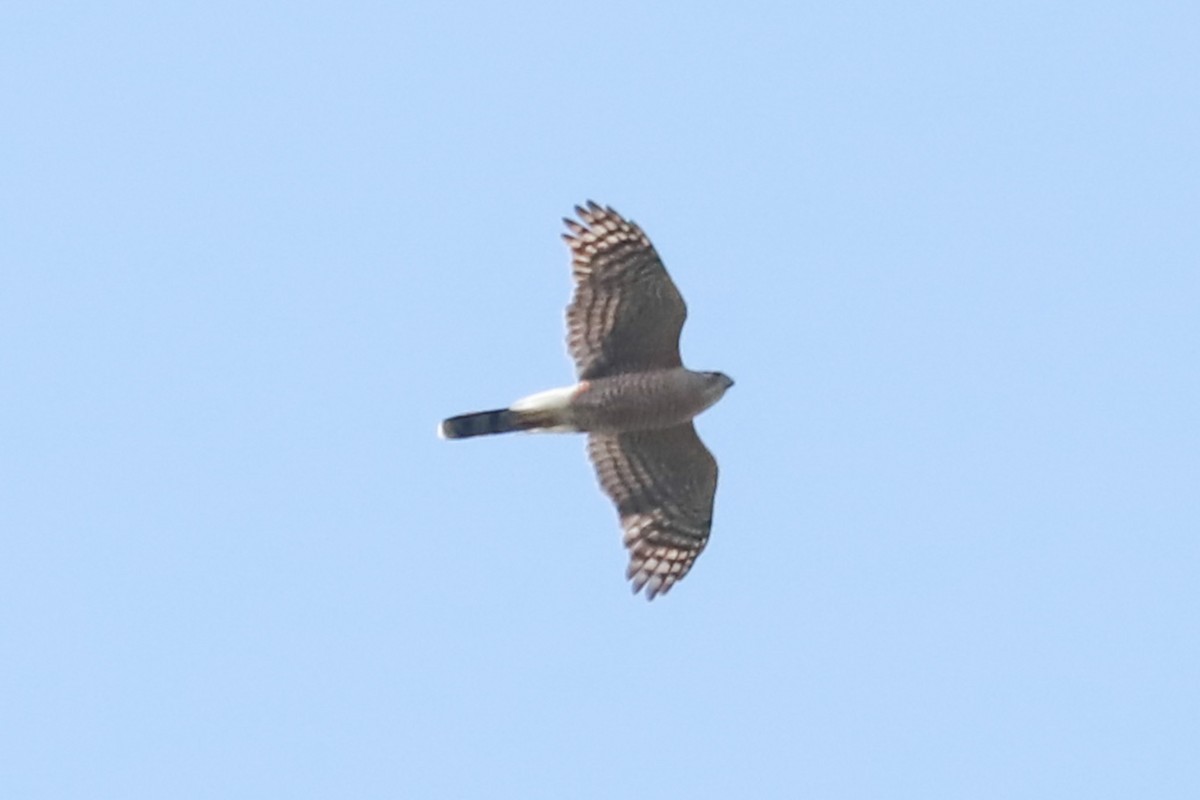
634	398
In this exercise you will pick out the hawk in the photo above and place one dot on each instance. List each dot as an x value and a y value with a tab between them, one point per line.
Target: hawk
634	398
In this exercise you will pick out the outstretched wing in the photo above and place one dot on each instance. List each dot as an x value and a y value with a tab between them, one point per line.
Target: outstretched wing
662	482
626	313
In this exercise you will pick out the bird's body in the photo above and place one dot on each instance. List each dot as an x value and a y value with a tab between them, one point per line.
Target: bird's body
635	401
634	398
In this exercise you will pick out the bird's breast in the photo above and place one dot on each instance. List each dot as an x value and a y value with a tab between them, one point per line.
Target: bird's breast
638	401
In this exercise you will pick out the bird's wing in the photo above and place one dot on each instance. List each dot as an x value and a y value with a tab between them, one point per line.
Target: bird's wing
626	313
662	482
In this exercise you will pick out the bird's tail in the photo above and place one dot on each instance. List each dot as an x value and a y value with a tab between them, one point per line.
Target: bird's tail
485	423
545	411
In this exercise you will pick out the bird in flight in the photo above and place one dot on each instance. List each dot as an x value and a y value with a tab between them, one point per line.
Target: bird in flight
634	398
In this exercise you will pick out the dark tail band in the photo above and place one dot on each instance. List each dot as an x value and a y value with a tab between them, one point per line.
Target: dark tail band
484	423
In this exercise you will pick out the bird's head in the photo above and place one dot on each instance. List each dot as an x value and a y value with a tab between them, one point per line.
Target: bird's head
718	383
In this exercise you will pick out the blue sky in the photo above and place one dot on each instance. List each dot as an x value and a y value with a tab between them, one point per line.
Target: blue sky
253	252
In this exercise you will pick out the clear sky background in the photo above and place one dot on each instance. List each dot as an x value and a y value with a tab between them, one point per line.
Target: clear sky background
253	252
